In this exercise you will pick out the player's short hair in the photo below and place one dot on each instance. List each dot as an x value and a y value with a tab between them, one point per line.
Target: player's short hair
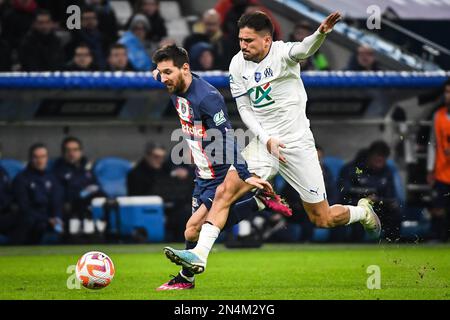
379	148
258	20
69	139
172	52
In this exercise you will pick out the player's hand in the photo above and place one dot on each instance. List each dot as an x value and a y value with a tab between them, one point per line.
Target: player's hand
329	22
430	178
273	146
156	75
260	184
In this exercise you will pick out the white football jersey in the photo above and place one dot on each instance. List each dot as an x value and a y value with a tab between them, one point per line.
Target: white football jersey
275	89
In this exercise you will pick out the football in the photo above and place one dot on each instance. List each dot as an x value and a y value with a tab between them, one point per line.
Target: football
95	270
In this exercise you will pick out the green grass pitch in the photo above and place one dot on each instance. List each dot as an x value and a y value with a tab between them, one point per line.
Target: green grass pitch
274	272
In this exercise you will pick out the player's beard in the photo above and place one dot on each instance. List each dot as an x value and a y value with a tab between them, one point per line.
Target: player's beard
179	86
251	58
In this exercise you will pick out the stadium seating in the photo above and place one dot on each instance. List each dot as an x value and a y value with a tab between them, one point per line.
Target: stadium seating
12	167
111	173
139	216
335	165
399	188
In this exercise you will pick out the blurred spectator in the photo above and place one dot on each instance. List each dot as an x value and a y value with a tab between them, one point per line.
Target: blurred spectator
369	176
157	26
41	50
118	58
79	185
90	34
107	21
38	195
82	60
439	169
202	57
9	219
230	12
5	191
58	8
155	175
211	33
17	20
134	41
318	61
364	60
141	179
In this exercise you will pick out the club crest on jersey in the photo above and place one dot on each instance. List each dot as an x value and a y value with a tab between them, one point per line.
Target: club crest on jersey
268	72
257	76
184	110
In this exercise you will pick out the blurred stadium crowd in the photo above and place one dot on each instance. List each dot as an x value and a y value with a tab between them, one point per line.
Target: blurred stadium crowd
34	37
49	201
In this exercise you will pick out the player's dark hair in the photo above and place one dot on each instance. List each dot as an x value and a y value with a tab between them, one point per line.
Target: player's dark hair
172	52
379	148
34	147
66	140
258	20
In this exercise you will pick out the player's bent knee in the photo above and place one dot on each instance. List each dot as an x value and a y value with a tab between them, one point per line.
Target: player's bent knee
224	194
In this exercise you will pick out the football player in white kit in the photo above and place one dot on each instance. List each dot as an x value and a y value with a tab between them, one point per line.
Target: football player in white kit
271	99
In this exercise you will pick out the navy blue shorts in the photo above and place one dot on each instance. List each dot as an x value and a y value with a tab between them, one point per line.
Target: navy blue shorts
441	195
204	192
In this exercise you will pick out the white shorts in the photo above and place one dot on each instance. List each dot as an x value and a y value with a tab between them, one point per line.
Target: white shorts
302	170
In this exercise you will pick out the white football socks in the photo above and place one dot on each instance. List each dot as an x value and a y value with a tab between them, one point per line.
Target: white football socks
206	239
356	214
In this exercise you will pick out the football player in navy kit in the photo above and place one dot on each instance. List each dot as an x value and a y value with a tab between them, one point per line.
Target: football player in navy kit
203	114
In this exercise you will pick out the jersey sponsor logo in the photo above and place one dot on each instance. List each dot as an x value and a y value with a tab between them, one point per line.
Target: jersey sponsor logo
260	96
197	131
219	118
231	79
257	76
184	109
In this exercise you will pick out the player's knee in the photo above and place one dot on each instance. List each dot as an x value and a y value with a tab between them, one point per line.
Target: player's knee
224	194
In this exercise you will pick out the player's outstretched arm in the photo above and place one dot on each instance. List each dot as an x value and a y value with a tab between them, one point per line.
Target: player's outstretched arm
312	43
